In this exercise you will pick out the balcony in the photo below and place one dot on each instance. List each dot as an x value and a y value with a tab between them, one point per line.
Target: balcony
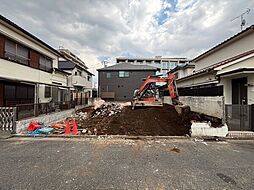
78	81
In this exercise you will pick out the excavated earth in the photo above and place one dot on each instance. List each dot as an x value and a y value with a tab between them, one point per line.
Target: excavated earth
161	121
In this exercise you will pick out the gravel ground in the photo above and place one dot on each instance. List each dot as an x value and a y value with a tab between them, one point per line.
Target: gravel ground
45	163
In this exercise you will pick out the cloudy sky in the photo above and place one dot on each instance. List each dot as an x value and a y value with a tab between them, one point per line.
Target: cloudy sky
98	30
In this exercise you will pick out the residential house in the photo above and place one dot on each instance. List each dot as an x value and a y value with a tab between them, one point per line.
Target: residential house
226	70
164	64
79	79
119	81
182	70
29	68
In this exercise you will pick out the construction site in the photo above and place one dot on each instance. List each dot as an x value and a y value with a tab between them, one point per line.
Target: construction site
148	114
121	119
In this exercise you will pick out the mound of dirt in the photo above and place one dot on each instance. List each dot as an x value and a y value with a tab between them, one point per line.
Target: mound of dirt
161	121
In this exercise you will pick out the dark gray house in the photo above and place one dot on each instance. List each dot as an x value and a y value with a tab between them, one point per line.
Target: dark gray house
118	82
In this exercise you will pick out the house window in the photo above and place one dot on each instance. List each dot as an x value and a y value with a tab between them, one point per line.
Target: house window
47	92
10	91
16	52
123	74
173	65
108	75
164	65
46	64
88	78
78	73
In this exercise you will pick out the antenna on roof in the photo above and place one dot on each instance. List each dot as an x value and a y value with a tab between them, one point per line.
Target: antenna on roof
61	47
243	21
104	63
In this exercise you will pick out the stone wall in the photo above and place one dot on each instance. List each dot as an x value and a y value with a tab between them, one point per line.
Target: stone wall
209	105
47	119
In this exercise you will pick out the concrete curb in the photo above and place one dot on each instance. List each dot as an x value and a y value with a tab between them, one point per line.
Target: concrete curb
109	137
104	137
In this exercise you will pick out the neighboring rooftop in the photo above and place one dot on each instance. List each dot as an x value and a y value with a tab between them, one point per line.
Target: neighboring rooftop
227	41
128	66
69	65
5	21
68	55
212	67
182	66
156	58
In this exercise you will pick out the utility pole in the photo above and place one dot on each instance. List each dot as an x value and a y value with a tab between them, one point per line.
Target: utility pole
243	21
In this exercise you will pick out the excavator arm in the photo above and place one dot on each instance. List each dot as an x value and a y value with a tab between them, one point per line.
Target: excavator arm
149	87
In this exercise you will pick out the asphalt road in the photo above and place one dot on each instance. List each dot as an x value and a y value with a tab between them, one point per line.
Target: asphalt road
125	164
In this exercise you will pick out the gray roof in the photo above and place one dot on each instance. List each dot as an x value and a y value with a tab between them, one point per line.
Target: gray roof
66	65
128	66
69	65
183	66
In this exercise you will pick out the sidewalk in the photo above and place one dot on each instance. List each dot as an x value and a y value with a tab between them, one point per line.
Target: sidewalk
240	135
5	134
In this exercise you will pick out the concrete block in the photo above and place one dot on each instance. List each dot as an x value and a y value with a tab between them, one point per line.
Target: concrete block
204	129
167	100
212	105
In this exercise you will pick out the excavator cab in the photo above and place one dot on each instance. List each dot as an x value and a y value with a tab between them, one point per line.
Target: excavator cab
150	93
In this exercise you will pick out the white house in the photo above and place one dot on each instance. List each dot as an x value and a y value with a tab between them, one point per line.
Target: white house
28	68
226	70
79	79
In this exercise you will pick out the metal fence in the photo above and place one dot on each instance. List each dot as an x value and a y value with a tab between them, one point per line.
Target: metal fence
8	119
34	110
240	117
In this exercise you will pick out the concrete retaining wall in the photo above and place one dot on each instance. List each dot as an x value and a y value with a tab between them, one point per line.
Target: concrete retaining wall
47	119
209	105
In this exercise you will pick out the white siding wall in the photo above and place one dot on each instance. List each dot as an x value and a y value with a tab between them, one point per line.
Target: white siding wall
239	46
226	80
205	78
84	75
18	72
11	70
14	34
227	88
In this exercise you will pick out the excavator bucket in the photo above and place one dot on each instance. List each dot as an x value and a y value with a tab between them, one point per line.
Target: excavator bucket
137	103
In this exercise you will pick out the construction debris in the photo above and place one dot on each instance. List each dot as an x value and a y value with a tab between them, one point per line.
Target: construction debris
120	119
112	118
107	109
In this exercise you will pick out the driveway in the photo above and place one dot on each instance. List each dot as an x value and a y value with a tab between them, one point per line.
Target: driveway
125	164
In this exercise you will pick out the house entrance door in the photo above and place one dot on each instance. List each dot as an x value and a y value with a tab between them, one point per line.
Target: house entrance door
239	91
238	115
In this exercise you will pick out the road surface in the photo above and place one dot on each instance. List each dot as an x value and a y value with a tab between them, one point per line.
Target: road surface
45	163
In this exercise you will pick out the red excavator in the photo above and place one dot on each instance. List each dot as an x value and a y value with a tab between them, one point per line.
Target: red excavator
149	94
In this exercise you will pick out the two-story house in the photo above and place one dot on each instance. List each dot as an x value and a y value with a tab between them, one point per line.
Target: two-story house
79	79
119	81
28	68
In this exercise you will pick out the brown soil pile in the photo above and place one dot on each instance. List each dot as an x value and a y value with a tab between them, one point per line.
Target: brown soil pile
162	121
